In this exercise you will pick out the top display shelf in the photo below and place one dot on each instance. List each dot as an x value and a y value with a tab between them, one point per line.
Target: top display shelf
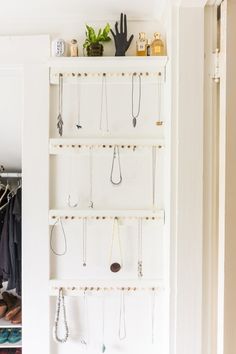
151	62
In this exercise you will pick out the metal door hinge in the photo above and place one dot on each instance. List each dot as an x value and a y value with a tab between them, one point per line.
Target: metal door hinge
216	65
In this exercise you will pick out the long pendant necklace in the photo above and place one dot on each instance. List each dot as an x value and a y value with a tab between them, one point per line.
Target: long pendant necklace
116	267
154	162
135	116
91	204
78	125
64	237
69	203
159	100
103	324
84	242
140	248
116	156
60	308
104	96
84	340
153	314
122	319
59	118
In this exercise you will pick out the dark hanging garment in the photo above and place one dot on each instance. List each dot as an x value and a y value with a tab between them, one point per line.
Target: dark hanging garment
4	247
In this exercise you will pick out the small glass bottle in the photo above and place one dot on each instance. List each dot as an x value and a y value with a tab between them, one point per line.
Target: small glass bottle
157	45
141	44
148	48
74	52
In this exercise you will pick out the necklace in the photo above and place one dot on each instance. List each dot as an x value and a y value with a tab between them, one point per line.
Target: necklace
60	307
64	237
116	154
78	125
154	162
140	248
84	242
59	118
159	100
153	314
116	267
135	116
122	320
104	95
84	340
91	204
70	205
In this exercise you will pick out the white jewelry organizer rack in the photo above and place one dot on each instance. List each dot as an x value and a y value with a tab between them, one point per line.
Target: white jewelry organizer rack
118	70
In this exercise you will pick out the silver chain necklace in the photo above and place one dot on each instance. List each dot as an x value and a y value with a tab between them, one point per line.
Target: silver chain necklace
116	155
64	237
104	95
153	314
122	319
154	162
78	125
59	118
91	204
103	324
159	100
135	116
85	339
140	248
84	242
60	308
116	267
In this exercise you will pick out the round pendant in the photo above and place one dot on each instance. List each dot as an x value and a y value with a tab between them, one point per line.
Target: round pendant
115	267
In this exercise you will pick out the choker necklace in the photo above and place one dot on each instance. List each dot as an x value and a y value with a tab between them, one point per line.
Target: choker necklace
122	320
104	95
78	125
135	116
60	308
116	154
116	267
64	237
91	204
59	118
140	248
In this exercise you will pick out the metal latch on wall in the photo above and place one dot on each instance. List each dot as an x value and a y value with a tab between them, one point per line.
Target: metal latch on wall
216	65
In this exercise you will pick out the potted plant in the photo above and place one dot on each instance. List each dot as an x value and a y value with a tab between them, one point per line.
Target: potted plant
93	41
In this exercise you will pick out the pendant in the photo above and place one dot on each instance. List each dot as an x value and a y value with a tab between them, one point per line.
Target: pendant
134	122
103	348
115	267
79	126
140	269
60	124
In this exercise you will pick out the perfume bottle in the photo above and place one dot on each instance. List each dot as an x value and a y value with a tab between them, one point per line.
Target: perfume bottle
148	48
157	46
141	44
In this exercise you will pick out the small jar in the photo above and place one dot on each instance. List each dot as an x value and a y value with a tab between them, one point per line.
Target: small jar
74	51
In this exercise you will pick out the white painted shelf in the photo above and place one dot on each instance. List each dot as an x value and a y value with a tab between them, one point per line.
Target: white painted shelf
90	67
64	145
10	345
76	287
73	214
8	324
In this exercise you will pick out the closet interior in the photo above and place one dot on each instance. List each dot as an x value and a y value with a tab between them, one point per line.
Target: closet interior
109	197
10	263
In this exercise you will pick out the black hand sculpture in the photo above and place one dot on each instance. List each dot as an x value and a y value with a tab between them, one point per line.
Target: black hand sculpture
120	38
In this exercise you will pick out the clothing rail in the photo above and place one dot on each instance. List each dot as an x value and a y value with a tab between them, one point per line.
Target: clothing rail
10	175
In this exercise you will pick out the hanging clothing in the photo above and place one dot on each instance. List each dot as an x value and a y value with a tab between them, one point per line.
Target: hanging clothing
10	244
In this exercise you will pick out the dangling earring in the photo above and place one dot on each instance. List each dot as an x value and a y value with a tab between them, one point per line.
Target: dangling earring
60	307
